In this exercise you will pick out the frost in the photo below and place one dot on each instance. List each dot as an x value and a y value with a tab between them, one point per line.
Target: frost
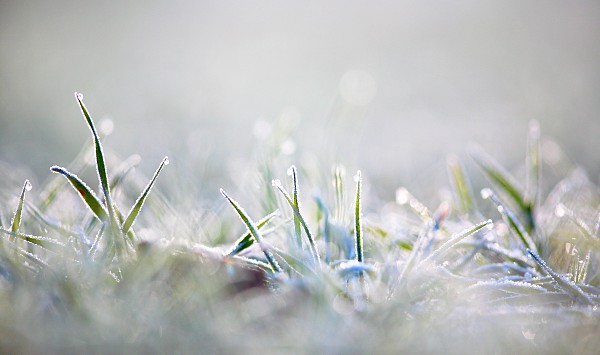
28	186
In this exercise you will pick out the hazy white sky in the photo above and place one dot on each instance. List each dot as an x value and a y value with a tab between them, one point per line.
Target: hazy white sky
389	86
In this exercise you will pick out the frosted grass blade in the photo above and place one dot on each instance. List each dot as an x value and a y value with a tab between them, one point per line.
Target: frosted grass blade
533	165
135	210
292	171
509	218
569	287
16	221
254	231
247	240
357	219
455	239
87	195
311	242
101	169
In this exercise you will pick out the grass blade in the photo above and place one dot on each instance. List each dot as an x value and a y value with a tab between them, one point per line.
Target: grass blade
357	222
292	172
533	165
247	240
311	241
16	221
569	287
510	219
455	239
100	165
461	186
87	195
254	231
135	210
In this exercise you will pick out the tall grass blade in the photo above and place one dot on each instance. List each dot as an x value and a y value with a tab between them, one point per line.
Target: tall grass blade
309	236
254	231
16	221
568	287
135	210
292	171
87	195
533	165
506	182
100	167
357	219
247	240
510	219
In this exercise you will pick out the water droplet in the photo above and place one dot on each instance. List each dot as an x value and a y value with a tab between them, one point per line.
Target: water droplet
357	177
276	183
79	96
28	186
291	170
166	161
560	210
402	196
486	193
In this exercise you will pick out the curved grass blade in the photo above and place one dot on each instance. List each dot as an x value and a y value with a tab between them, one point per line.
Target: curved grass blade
357	219
33	239
101	168
510	218
135	210
16	221
247	240
455	239
254	231
87	195
568	287
311	241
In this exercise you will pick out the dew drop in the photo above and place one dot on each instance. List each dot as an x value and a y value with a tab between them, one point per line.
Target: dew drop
560	210
79	96
28	186
402	196
486	193
166	161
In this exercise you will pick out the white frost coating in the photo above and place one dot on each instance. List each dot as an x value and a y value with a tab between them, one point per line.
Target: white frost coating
79	96
291	170
357	177
166	161
402	196
275	183
28	186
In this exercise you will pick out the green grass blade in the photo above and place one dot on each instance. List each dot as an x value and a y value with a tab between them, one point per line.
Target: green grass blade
135	210
533	165
461	186
87	195
254	231
357	219
507	183
16	221
510	218
100	166
292	171
311	242
247	240
569	287
455	239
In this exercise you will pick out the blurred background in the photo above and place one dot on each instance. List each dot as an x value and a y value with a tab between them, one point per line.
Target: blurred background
390	87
